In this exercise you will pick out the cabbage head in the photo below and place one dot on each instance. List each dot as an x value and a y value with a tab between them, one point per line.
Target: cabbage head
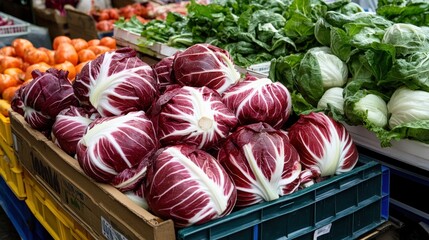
406	38
320	70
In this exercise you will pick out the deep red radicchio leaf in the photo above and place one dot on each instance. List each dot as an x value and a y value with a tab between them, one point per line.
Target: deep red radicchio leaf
324	145
45	96
17	104
259	100
116	149
205	65
116	83
163	71
194	116
70	126
188	186
261	162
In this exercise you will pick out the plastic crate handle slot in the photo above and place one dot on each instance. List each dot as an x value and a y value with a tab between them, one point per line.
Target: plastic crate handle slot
288	204
322	231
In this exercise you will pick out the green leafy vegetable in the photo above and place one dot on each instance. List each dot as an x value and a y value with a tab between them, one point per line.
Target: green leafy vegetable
320	70
406	38
405	11
332	98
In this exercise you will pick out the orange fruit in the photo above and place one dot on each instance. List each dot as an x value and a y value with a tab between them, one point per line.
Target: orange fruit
93	42
66	52
9	92
79	44
99	49
80	66
15	72
7	81
35	56
108	42
8	51
86	55
68	66
21	45
40	66
51	55
60	39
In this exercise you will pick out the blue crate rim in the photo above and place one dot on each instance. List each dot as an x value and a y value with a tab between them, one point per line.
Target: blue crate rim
366	164
18	213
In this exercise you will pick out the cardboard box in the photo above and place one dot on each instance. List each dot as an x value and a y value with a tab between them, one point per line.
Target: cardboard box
82	25
49	18
103	211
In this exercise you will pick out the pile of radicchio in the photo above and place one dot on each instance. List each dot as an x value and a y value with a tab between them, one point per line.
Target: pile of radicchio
189	138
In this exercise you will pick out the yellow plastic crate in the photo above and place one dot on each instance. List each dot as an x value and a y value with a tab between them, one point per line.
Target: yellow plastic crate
3	166
10	153
5	131
12	173
59	224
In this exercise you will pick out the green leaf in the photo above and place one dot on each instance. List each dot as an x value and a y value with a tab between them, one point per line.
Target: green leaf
299	104
414	12
380	59
322	32
417	130
309	79
350	8
340	44
301	18
412	71
358	69
284	70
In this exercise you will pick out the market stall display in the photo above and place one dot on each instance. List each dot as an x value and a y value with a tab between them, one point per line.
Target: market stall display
243	108
191	90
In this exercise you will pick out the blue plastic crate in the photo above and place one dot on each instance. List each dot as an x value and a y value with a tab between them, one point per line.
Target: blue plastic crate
341	207
19	214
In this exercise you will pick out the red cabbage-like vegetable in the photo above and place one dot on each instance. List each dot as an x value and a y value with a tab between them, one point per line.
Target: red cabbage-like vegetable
188	185
324	145
259	100
205	65
194	116
262	163
116	149
70	126
116	83
163	71
45	96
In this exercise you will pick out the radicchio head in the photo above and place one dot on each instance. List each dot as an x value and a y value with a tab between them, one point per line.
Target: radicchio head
195	116
45	96
205	65
189	186
118	148
259	100
261	162
116	83
324	145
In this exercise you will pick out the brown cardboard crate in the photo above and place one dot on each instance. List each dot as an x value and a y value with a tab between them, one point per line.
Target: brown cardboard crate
101	208
82	25
49	18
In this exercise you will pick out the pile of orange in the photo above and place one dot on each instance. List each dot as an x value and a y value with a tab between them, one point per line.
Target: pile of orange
21	58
